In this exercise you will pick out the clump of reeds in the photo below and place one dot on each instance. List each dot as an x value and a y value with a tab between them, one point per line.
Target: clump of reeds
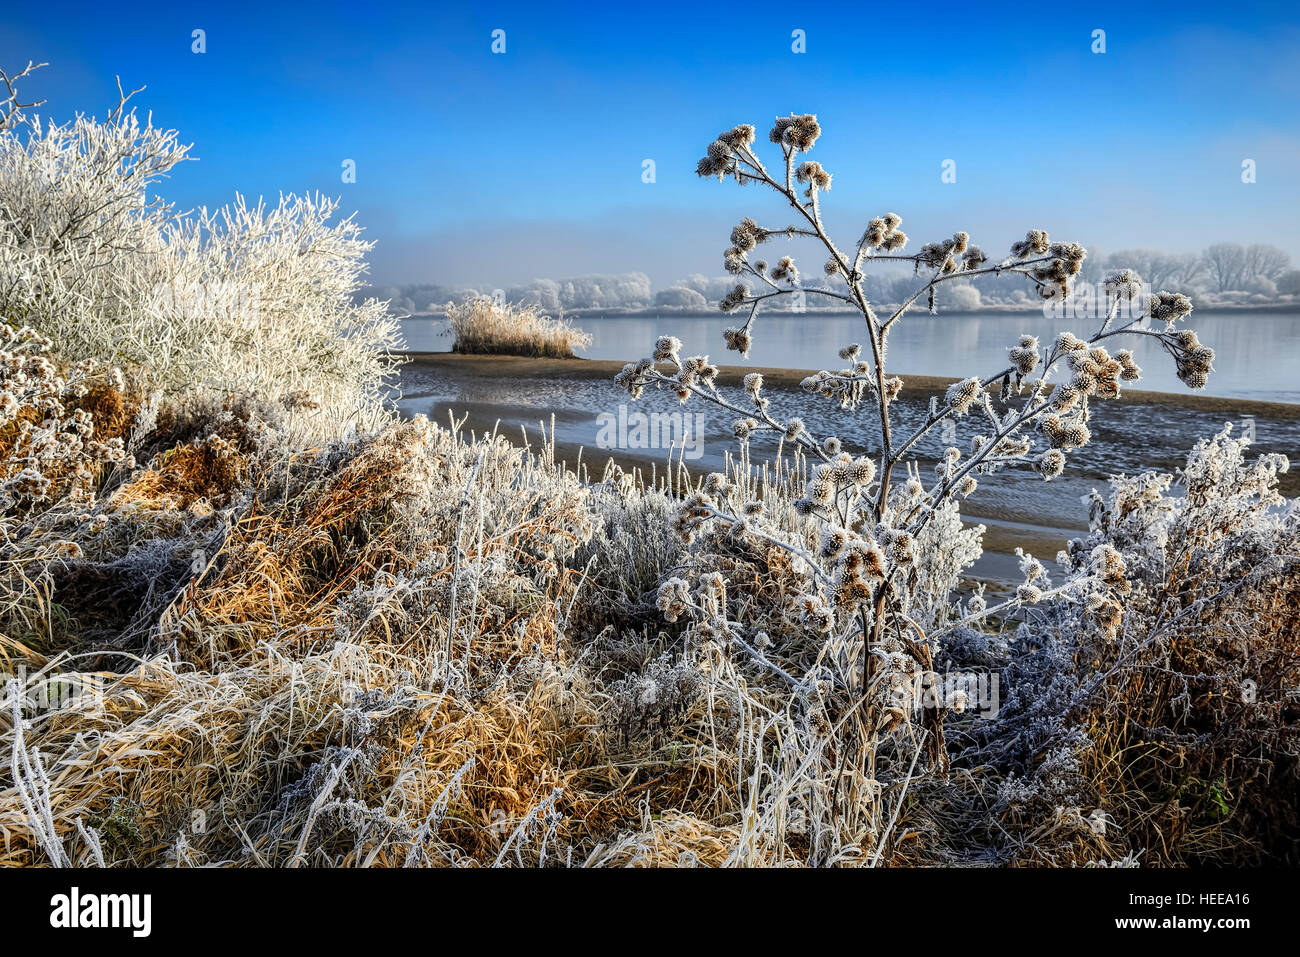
484	326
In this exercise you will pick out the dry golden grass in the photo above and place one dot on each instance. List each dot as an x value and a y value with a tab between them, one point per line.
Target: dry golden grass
210	469
302	723
1191	766
413	649
486	327
114	409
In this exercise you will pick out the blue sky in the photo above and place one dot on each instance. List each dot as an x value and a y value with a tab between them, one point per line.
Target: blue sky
490	169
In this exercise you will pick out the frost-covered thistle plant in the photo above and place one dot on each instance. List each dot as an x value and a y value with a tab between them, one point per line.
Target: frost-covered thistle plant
860	528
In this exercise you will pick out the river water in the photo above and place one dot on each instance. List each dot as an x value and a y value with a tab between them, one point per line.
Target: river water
1257	354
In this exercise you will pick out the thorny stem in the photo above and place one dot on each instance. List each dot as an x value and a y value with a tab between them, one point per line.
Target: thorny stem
876	340
795	550
859	299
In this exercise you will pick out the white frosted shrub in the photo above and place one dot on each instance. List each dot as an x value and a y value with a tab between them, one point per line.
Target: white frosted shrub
248	298
964	298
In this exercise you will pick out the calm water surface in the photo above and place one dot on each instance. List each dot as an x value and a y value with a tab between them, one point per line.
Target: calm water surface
1128	436
1257	355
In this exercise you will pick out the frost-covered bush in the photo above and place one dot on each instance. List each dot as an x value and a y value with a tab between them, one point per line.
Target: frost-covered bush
1161	696
247	298
681	297
1196	635
963	298
873	548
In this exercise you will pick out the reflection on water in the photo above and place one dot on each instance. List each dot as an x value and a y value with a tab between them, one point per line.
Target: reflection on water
1255	353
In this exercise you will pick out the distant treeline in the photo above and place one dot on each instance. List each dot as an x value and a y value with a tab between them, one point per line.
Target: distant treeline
1224	273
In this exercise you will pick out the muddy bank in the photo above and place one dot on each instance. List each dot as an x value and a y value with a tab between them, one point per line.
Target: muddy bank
998	567
532	401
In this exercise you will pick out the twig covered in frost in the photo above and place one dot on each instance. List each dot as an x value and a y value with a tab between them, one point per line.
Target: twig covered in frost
91	837
319	801
32	783
437	811
466	501
544	817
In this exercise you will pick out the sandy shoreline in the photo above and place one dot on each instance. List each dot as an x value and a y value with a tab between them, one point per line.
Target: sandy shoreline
506	366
